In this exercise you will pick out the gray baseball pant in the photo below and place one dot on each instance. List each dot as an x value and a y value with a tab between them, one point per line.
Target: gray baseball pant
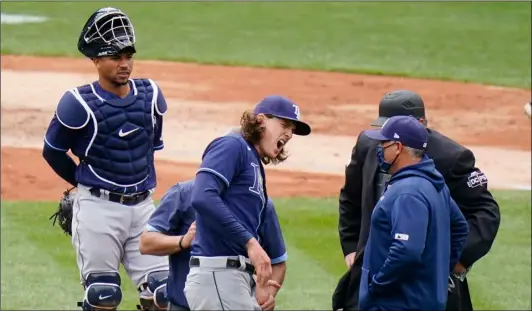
172	307
213	286
105	234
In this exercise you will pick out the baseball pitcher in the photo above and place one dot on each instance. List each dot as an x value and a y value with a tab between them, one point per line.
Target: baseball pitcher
113	125
229	196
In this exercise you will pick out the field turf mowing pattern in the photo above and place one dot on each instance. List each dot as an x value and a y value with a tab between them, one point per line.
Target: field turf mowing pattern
31	247
487	42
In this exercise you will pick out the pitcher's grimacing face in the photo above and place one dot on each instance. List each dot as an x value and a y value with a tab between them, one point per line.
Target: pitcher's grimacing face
277	133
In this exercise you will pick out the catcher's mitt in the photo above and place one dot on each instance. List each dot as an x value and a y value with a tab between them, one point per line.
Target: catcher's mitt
64	212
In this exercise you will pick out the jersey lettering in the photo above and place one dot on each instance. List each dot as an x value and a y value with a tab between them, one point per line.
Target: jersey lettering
257	184
258	189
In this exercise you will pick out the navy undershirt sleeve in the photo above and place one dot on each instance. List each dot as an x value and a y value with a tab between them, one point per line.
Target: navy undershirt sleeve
208	203
62	164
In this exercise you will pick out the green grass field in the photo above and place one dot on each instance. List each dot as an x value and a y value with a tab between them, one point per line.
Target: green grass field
483	42
44	255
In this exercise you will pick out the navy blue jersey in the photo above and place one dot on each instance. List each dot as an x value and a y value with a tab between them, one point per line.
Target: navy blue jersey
229	197
174	215
113	137
271	235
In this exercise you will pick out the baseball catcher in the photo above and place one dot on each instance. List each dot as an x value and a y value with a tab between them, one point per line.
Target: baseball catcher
113	125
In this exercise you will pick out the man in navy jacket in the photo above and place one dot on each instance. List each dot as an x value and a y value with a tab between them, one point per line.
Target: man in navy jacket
417	231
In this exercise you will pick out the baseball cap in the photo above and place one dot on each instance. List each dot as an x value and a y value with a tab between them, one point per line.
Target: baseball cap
283	108
400	103
404	129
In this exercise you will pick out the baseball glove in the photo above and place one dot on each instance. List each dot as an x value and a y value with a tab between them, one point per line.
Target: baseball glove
64	212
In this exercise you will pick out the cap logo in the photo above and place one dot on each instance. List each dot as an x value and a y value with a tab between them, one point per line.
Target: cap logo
395	135
296	110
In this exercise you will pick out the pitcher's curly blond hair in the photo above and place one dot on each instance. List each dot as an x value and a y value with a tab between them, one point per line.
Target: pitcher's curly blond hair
252	131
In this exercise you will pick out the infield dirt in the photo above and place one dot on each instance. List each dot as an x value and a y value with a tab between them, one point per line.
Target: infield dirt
206	101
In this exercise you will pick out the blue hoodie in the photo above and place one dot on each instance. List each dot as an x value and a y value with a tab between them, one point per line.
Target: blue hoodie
417	234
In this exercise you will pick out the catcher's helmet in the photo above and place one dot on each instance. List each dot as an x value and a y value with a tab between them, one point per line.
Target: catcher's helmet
108	31
400	103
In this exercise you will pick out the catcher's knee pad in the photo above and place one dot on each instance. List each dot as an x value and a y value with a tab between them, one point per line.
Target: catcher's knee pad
153	295
102	291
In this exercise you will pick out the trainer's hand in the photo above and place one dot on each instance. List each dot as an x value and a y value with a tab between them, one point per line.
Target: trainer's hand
189	236
268	304
274	284
264	297
350	259
261	261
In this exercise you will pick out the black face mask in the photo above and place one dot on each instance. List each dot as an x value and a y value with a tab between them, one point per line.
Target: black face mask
384	166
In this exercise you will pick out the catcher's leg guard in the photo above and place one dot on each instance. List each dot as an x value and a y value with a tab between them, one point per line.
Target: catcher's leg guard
153	294
102	292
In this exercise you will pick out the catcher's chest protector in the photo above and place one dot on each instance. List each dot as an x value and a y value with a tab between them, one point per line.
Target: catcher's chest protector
122	149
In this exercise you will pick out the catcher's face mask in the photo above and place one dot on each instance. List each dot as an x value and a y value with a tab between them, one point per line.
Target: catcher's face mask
113	28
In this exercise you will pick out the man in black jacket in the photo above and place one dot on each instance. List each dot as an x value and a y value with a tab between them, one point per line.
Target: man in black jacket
364	183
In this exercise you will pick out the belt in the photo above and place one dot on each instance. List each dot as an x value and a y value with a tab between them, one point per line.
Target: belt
126	199
230	262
